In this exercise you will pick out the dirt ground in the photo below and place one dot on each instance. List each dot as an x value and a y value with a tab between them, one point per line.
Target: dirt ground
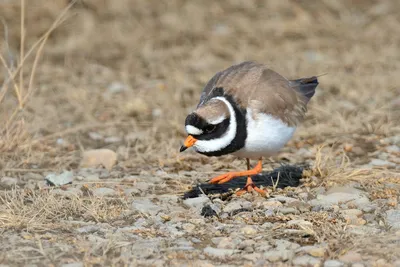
122	75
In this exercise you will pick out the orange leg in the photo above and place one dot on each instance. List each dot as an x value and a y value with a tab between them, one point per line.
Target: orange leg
223	178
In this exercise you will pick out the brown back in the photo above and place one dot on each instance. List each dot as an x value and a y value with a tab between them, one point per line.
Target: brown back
261	89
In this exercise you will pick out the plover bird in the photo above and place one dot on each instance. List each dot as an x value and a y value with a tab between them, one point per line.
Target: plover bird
249	111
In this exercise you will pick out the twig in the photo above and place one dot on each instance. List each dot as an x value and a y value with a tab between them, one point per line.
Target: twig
21	56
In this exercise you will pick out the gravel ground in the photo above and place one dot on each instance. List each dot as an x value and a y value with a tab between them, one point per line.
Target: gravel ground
90	169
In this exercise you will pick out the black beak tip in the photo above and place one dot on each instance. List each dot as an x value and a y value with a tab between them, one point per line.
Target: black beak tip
183	148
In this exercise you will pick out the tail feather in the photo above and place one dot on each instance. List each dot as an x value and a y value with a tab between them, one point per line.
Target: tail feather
305	86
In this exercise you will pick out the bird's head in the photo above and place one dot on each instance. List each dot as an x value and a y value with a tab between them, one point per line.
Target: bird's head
211	128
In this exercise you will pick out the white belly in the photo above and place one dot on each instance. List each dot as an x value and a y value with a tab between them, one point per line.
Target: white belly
266	135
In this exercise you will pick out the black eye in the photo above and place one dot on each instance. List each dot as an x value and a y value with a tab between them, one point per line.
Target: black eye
210	128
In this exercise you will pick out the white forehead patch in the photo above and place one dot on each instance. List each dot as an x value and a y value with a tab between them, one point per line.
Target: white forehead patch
217	120
190	129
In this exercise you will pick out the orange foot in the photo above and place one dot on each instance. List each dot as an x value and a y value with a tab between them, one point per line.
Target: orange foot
223	178
249	187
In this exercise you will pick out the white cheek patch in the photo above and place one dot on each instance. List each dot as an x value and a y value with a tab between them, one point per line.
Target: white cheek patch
217	120
223	141
190	129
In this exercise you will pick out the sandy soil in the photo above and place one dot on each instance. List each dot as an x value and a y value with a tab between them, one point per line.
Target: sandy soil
122	75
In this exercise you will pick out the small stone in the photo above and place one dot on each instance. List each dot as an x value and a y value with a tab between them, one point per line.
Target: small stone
338	195
313	250
380	162
306	261
64	178
351	257
88	229
73	264
267	225
393	149
359	264
352	212
219	252
8	182
104	192
95	136
284	199
248	230
393	218
282	244
300	223
99	157
333	263
317	252
254	257
236	205
117	87
145	206
112	139
279	255
210	210
197	202
288	210
363	230
271	205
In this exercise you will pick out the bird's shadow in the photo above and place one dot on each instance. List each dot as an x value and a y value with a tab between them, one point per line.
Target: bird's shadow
281	177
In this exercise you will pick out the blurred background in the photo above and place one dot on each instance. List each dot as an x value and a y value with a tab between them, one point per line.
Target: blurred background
123	74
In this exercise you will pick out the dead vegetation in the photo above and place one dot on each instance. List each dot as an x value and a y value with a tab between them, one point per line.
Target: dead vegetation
78	75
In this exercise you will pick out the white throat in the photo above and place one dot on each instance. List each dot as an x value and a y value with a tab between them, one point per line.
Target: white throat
222	142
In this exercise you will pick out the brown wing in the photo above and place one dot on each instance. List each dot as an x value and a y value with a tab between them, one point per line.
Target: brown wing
255	86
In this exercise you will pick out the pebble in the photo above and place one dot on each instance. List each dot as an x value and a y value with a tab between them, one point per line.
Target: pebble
284	199
99	157
288	210
251	257
352	212
145	206
339	195
271	205
351	257
117	87
306	260
333	263
104	192
279	255
363	230
317	251
73	264
300	223
236	205
249	230
95	136
8	182
393	149
88	229
380	162
64	178
219	252
197	202
393	218
282	244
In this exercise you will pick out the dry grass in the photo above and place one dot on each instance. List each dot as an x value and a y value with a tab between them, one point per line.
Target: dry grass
37	211
60	59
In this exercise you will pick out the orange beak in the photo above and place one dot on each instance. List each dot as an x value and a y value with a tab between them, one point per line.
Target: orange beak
190	140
